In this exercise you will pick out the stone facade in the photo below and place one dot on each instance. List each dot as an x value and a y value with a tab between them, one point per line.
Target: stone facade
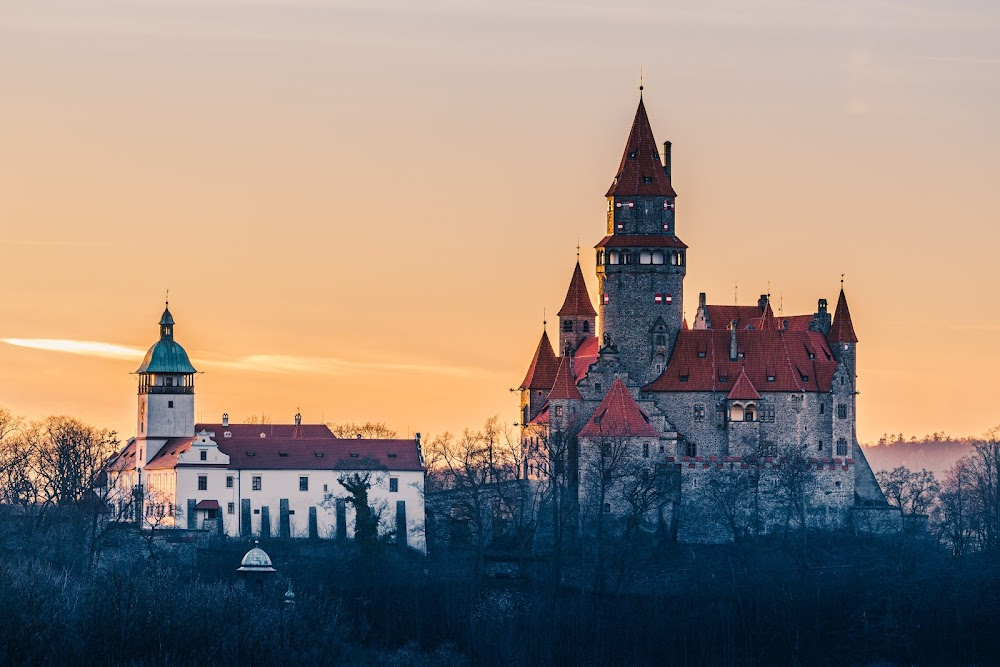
753	415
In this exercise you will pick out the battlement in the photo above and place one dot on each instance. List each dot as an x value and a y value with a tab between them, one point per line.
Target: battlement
767	463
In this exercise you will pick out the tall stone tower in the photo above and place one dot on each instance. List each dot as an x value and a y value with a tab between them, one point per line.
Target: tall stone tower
844	343
641	263
577	315
166	393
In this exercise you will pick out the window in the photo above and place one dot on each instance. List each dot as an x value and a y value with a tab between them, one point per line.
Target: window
631	155
645	450
660	340
626	257
256	511
842	411
586	326
657	257
690	449
393	485
699	412
607	507
647	179
303	483
256	482
567	326
822	408
645	257
842	447
203	454
597	387
231	508
324	488
559	411
229	481
819	447
767	413
202	482
170	404
613	256
170	383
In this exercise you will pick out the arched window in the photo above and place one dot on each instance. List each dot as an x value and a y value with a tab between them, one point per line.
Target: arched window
645	257
750	413
626	257
657	257
613	257
600	257
736	413
680	258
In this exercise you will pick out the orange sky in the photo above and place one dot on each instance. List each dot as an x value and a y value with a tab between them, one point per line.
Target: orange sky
362	208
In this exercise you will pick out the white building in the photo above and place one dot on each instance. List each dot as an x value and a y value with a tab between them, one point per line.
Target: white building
243	480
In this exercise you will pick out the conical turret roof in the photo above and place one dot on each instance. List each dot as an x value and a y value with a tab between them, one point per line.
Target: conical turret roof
641	172
564	387
842	329
577	303
542	371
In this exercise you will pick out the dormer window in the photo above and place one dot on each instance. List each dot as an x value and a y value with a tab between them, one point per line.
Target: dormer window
648	180
723	378
227	434
702	354
684	378
770	378
631	155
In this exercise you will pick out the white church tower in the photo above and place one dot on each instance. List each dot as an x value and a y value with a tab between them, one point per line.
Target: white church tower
166	394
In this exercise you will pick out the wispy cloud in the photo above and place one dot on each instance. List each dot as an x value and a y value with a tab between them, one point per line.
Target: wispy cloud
261	363
90	348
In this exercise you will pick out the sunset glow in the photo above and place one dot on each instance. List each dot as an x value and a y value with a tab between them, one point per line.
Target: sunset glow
364	209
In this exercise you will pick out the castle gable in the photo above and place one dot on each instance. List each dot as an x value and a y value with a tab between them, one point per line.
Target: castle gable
618	415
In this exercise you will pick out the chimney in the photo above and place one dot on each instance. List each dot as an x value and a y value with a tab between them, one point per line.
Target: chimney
225	419
420	451
822	305
733	350
298	419
666	158
762	302
701	300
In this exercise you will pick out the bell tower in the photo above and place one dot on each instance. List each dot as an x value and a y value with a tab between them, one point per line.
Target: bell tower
641	263
166	391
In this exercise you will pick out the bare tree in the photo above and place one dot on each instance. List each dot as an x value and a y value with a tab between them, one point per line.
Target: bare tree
794	477
958	516
372	430
912	492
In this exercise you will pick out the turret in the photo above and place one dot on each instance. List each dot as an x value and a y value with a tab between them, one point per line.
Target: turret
843	343
166	391
641	263
577	317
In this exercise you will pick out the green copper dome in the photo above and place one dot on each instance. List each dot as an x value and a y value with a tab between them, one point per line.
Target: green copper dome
166	355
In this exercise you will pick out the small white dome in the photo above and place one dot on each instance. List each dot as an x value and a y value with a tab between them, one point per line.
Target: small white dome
256	560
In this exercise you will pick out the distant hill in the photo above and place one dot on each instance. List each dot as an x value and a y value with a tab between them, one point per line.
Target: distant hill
936	452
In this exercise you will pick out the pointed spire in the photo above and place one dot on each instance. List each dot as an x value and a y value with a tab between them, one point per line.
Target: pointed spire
842	329
577	303
619	415
564	386
641	172
767	322
542	371
743	389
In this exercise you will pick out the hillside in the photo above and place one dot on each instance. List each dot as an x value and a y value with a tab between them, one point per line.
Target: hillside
936	452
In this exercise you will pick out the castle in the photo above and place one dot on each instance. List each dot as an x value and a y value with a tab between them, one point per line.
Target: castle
743	408
252	480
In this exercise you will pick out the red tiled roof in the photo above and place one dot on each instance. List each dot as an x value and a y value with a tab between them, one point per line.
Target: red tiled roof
123	459
743	389
564	386
618	415
207	505
798	322
641	241
542	370
641	162
720	316
585	356
319	449
700	361
577	303
542	417
842	329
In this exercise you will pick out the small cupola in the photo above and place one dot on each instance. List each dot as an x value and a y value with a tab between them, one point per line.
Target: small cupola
225	419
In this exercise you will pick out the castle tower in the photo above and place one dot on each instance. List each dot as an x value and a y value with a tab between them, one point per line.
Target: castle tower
166	392
577	317
538	380
641	263
843	343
